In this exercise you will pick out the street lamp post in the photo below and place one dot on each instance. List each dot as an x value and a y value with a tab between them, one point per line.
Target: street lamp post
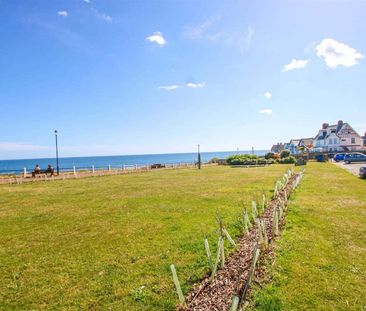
57	166
199	157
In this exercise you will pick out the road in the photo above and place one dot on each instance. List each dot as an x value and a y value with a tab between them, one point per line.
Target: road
353	168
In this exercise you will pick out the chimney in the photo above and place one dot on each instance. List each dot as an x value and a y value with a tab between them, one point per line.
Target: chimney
325	125
340	122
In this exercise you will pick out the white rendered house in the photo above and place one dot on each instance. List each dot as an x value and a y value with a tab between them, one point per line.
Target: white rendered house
338	137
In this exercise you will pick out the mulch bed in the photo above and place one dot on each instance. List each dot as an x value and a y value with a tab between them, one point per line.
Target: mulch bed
216	294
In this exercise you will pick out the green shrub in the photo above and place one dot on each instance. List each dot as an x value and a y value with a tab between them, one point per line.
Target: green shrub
240	159
269	155
284	154
287	160
247	159
214	160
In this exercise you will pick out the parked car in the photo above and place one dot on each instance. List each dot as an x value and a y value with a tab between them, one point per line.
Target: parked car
362	172
339	157
354	157
321	157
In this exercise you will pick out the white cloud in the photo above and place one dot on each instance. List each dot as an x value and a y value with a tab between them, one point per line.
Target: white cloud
336	53
249	37
87	1
157	37
265	111
105	17
19	146
268	95
195	85
100	15
295	64
211	31
63	13
169	87
198	31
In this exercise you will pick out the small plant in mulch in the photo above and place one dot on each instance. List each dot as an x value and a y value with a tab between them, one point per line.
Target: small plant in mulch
228	285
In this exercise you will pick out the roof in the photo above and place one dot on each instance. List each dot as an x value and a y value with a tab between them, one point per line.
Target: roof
323	132
307	141
295	141
276	148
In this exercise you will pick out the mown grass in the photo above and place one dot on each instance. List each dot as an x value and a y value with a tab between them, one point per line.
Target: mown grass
107	242
321	256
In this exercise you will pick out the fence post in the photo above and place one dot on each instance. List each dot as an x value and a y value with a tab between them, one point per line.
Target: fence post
135	167
93	169
74	169
177	286
234	303
25	172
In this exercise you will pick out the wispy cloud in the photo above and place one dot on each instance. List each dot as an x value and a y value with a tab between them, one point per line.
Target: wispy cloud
157	37
211	31
265	111
199	31
295	64
190	85
249	37
65	35
195	85
97	13
336	53
101	15
169	87
20	146
268	95
63	13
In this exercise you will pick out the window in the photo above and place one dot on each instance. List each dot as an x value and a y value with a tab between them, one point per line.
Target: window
353	140
330	141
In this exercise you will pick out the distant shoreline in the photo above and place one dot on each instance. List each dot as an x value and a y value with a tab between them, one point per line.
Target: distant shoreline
262	151
100	162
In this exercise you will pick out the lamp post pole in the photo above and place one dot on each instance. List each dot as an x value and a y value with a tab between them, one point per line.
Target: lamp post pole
57	165
199	157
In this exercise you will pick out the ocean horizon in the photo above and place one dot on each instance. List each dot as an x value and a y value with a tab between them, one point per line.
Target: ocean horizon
16	166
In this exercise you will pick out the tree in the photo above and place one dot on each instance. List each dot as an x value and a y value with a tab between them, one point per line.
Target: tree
284	154
269	155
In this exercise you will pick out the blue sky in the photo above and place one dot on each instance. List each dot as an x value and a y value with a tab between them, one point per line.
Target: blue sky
131	77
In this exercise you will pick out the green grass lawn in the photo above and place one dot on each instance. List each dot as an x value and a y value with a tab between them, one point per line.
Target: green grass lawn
103	242
321	256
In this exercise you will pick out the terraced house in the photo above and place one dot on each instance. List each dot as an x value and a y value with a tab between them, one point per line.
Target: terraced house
338	137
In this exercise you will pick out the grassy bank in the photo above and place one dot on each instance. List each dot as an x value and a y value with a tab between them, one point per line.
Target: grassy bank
320	261
108	241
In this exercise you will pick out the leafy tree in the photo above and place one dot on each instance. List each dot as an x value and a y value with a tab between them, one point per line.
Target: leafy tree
284	154
269	155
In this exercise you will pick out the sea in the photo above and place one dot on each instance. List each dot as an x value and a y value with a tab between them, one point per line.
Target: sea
117	161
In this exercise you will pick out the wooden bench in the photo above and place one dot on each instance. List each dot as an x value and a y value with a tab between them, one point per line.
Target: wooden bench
43	172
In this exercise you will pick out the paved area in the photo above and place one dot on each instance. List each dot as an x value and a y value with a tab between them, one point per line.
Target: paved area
353	168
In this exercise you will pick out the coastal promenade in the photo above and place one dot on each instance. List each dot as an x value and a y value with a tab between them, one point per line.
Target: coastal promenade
131	169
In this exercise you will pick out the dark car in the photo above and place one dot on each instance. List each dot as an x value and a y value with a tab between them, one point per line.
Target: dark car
354	157
362	172
339	157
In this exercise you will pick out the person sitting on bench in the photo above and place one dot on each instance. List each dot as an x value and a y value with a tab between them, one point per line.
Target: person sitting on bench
50	170
37	170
